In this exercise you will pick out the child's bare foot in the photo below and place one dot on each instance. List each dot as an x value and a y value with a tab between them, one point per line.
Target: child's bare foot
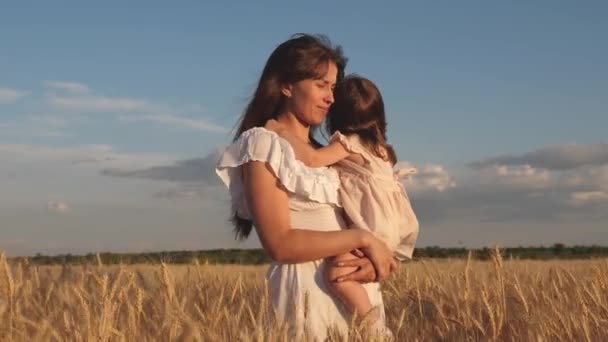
379	330
374	327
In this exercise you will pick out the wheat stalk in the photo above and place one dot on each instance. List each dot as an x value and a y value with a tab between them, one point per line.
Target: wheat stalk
437	300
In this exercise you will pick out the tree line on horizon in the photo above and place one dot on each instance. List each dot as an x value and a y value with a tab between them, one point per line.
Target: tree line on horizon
259	256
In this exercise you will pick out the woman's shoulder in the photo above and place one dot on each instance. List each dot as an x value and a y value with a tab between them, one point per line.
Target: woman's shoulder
256	135
259	144
254	144
258	131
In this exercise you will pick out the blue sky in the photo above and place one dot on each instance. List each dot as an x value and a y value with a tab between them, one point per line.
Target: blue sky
486	99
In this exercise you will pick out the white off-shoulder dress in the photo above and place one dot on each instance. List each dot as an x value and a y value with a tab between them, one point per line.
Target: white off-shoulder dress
298	291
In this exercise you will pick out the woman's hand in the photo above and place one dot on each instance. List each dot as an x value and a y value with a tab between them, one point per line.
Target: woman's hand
366	270
365	273
380	256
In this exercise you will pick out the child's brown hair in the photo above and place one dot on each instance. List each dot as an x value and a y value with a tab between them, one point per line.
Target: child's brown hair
358	108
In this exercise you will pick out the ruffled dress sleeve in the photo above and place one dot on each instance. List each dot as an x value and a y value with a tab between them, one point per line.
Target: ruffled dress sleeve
407	226
259	144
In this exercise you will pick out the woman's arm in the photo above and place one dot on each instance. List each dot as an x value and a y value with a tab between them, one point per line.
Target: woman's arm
269	206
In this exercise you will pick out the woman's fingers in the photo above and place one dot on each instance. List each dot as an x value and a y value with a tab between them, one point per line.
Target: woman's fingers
382	273
390	268
358	253
351	263
365	272
394	265
381	257
378	264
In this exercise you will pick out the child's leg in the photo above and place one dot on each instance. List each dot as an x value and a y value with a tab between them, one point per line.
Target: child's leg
351	293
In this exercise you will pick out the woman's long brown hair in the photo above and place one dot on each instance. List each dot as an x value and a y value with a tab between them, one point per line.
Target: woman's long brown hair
358	108
301	57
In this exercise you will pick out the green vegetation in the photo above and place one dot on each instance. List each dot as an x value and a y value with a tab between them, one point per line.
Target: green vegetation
258	256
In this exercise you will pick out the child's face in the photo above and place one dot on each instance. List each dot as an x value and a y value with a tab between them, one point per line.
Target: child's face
310	99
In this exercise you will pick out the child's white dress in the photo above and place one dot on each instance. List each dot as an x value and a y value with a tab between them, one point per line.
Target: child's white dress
297	292
374	198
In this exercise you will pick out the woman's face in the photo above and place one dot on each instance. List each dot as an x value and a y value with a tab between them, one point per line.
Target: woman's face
310	99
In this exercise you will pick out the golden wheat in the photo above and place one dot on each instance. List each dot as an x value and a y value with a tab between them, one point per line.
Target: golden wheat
450	300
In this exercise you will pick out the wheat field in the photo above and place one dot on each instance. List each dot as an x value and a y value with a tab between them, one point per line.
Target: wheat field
428	300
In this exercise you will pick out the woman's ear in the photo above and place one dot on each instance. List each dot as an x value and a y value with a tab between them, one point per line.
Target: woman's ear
286	90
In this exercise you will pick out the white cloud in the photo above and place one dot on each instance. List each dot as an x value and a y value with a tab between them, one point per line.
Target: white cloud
8	95
34	126
96	155
588	197
71	87
91	103
519	177
59	207
494	193
199	125
178	193
508	203
128	109
586	178
557	157
177	121
197	170
73	97
430	177
564	184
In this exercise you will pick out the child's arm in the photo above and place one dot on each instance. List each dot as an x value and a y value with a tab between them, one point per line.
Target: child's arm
305	153
312	157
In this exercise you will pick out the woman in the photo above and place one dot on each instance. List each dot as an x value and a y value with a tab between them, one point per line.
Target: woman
295	208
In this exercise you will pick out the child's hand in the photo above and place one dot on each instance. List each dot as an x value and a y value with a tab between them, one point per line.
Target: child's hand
274	125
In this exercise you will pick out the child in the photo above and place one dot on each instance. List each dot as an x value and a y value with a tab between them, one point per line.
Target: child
370	191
